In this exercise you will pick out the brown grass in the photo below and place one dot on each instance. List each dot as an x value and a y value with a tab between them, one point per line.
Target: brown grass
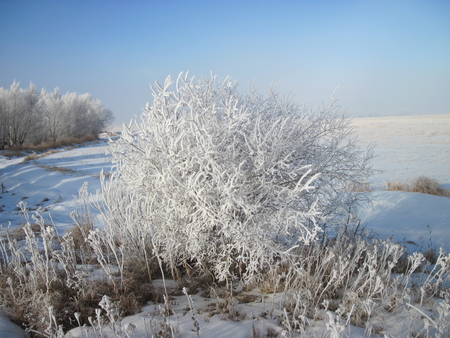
45	146
396	186
59	143
360	187
35	156
19	234
422	184
27	303
13	152
55	168
79	235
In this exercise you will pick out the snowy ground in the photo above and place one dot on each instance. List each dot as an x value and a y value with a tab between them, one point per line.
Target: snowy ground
406	147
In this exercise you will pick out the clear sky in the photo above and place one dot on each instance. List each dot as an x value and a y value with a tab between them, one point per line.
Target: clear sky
392	57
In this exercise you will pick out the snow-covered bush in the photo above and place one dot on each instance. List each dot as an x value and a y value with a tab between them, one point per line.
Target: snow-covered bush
228	183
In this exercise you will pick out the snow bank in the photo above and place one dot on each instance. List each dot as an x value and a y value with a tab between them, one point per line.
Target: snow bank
417	220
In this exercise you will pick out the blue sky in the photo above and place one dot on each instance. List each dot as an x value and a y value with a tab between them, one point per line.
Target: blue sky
392	57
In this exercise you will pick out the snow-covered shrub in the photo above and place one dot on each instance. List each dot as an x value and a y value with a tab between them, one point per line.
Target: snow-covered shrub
230	183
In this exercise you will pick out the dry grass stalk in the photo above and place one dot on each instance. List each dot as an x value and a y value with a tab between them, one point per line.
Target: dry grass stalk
55	168
428	185
35	156
422	184
47	147
361	187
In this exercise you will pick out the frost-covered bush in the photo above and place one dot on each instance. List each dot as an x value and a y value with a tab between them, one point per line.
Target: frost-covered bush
229	183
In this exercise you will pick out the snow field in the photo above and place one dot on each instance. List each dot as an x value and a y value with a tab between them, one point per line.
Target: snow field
407	147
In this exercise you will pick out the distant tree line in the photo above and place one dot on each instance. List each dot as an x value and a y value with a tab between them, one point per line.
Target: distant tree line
28	116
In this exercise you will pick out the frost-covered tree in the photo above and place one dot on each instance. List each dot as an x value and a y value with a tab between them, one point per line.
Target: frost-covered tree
3	119
227	182
18	113
53	117
85	115
27	116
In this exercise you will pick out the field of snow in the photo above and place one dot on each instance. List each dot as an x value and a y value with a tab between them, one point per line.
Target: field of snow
405	148
51	182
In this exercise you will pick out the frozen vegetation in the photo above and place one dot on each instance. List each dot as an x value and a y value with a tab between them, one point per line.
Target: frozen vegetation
29	118
230	216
